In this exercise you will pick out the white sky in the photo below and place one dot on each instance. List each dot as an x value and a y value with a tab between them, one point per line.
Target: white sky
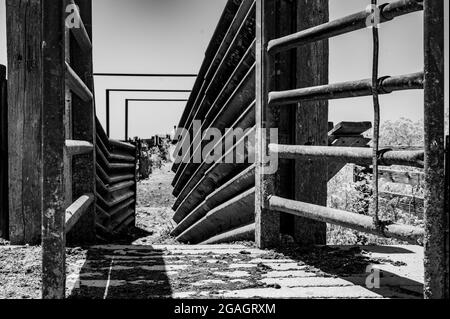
171	36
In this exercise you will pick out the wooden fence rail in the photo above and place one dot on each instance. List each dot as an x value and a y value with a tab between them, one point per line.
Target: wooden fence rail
115	185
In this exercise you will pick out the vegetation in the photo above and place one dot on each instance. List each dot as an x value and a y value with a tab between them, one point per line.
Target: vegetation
152	157
355	194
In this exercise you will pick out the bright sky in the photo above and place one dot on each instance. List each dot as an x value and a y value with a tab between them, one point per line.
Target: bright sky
171	36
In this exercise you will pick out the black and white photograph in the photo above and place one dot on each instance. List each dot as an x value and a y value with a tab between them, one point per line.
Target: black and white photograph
224	157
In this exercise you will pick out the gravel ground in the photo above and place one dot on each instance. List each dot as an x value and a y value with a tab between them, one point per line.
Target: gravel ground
20	266
20	270
154	207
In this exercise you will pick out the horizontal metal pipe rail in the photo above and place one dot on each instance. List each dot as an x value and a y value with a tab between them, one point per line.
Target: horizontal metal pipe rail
347	89
156	75
355	155
343	25
345	219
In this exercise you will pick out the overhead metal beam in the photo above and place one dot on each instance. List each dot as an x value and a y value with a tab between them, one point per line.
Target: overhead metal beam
127	109
108	99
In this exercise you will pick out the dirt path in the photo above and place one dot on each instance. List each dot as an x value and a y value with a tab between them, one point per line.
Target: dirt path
154	207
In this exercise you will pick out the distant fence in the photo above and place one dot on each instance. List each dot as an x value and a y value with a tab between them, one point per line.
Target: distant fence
4	216
115	185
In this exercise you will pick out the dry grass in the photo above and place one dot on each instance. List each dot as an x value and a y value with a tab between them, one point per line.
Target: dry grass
345	194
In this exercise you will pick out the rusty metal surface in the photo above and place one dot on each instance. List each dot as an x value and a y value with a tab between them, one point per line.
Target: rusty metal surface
353	221
355	155
347	89
346	24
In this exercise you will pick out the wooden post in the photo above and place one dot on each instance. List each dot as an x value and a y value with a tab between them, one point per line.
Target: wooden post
435	286
4	212
447	208
267	222
305	124
284	65
24	118
53	141
83	128
311	125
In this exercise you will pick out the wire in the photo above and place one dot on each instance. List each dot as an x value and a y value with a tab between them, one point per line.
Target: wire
376	106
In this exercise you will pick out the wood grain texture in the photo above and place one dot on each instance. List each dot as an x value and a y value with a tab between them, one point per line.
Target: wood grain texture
436	286
24	113
311	122
267	223
4	212
53	141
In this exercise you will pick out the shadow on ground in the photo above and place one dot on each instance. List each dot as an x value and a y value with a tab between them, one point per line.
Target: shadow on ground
353	264
137	272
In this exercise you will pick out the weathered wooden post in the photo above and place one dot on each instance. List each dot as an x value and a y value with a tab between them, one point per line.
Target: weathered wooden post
267	222
436	285
53	143
447	208
83	128
24	37
311	127
305	123
4	212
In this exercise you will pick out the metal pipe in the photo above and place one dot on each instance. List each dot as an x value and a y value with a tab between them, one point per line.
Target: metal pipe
346	24
355	155
345	219
146	75
108	96
127	109
347	89
108	113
